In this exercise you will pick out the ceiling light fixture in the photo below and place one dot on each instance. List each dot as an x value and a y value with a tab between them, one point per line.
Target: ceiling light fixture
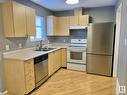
72	1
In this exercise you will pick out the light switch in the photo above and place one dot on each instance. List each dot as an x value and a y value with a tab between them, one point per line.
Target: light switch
125	41
64	40
20	45
7	47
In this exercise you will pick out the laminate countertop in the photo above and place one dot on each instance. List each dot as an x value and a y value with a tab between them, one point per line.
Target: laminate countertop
29	53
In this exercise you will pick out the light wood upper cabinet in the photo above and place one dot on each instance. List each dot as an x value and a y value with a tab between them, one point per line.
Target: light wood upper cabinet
30	18
15	20
73	20
62	26
79	20
83	20
51	25
19	16
64	57
8	19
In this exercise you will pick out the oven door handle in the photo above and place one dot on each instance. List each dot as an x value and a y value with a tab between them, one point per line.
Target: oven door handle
70	50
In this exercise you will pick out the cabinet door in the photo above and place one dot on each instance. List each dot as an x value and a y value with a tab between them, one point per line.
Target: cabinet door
57	59
73	20
62	26
29	76
8	19
30	18
19	17
64	58
84	20
51	63
51	25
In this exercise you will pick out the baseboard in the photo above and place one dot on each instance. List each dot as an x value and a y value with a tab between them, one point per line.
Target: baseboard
3	93
117	87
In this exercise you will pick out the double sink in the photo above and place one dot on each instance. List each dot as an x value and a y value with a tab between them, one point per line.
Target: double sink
45	49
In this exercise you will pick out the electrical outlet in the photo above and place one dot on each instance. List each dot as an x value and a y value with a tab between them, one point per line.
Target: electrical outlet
122	89
20	45
7	47
64	40
125	41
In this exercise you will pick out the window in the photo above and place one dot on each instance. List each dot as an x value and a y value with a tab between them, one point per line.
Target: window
40	29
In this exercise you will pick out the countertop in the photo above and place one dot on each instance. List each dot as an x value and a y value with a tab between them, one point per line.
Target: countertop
29	53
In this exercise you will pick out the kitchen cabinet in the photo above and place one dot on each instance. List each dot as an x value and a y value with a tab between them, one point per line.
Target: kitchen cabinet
51	25
57	26
54	61
73	20
57	59
62	26
51	63
19	76
79	20
64	57
16	21
30	19
83	20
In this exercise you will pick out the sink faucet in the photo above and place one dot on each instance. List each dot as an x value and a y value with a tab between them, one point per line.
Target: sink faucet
39	46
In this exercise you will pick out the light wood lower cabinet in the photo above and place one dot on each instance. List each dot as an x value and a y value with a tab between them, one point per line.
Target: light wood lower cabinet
64	57
51	63
56	60
29	76
19	76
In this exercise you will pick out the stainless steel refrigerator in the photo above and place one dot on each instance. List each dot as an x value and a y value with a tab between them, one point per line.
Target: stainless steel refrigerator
100	48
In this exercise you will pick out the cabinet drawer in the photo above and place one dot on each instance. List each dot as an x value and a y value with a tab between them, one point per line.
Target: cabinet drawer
29	67
30	85
29	63
30	76
28	71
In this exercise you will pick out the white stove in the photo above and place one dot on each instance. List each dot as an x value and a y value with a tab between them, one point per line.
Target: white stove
78	42
76	55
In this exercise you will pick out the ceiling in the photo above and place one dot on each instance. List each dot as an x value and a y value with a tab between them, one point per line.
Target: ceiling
60	5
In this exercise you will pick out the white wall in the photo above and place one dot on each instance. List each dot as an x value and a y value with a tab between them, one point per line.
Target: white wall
117	39
122	61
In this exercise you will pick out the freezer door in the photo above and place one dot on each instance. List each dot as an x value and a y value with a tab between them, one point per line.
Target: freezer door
100	38
98	64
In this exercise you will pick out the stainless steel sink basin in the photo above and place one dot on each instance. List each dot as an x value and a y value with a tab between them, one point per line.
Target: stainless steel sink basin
45	49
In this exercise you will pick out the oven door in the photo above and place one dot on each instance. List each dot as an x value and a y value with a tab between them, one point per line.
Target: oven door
76	56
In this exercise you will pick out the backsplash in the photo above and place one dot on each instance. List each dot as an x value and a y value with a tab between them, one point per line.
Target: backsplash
74	34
